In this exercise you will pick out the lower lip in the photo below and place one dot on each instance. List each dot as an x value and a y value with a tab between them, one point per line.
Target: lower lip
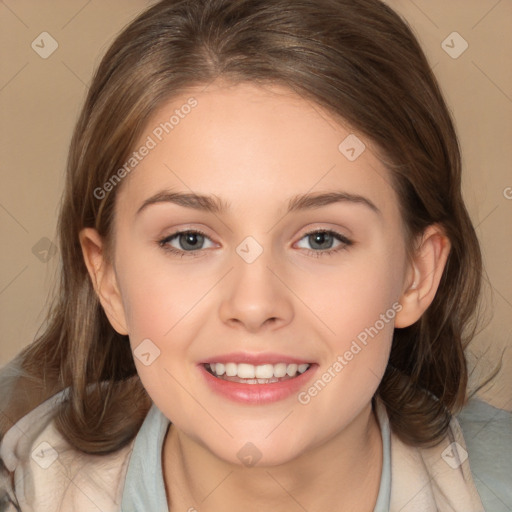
257	393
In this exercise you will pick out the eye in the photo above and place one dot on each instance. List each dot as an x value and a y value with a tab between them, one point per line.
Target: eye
323	242
183	242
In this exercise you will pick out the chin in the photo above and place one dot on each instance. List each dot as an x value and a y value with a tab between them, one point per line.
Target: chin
256	453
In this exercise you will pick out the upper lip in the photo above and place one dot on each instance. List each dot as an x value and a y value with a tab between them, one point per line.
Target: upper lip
255	359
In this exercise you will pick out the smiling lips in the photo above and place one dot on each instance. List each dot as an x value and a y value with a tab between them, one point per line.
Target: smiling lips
256	379
256	374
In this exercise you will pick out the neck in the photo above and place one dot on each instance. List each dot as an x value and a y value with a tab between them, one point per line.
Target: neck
342	474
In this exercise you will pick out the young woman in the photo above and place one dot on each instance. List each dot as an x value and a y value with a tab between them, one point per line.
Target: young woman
268	275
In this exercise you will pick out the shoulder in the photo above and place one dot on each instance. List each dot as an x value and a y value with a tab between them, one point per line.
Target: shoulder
488	434
433	479
43	472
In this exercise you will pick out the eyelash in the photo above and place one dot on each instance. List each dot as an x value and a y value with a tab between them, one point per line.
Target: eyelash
345	243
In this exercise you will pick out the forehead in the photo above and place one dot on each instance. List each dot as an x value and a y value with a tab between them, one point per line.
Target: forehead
253	146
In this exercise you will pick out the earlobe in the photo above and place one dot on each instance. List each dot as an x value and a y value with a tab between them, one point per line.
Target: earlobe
103	278
424	275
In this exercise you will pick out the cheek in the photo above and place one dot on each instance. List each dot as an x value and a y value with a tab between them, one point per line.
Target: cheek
357	351
357	306
352	297
164	309
157	295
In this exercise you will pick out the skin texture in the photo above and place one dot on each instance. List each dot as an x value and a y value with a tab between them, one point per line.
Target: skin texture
255	148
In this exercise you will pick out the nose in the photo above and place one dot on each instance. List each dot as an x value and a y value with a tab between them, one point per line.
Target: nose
254	298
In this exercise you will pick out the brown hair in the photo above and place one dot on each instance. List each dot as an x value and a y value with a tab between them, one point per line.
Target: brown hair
360	61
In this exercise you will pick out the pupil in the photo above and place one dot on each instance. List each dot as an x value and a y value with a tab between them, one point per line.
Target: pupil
321	239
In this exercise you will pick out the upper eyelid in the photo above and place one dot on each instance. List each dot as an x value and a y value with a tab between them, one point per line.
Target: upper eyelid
186	230
337	233
324	230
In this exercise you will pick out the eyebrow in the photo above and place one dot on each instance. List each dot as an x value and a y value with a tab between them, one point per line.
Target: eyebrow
215	205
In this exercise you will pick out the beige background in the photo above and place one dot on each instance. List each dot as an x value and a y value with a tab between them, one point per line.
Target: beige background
40	100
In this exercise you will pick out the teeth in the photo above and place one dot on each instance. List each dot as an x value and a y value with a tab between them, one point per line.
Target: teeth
231	369
291	370
246	371
303	367
262	371
280	369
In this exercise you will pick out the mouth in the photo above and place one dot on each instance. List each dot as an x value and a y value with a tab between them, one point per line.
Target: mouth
256	379
245	373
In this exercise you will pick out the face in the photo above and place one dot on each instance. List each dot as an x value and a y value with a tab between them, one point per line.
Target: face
287	274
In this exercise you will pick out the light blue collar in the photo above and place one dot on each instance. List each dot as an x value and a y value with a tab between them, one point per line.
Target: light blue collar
144	485
384	496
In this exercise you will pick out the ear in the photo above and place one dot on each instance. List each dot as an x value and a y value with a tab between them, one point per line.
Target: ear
423	275
103	278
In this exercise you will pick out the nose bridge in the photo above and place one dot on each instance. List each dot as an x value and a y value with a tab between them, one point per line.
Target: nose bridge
254	295
253	279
